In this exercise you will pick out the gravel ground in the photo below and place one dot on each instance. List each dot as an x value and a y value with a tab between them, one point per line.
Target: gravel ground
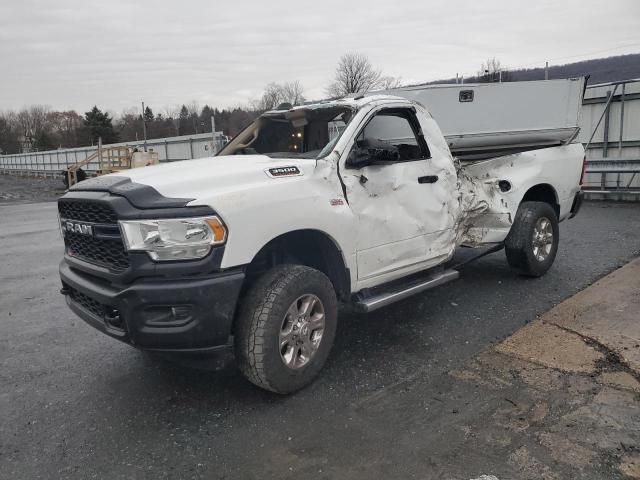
15	189
75	404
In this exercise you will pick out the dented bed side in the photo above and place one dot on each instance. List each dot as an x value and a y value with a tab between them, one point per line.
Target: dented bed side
490	191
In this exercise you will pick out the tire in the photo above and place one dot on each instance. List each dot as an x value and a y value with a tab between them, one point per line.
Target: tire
529	249
274	310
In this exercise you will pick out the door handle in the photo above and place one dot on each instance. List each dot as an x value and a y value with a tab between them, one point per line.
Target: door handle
428	179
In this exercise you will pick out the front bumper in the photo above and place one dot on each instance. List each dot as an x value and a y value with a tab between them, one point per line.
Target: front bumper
177	315
577	204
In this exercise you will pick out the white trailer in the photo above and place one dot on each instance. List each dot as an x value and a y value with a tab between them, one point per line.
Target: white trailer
487	118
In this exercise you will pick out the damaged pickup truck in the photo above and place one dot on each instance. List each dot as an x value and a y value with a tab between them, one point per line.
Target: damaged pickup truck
358	200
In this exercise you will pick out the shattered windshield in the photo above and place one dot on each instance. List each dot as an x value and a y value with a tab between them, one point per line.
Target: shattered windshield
300	133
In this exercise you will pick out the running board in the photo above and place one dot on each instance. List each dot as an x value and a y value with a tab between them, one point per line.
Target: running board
400	292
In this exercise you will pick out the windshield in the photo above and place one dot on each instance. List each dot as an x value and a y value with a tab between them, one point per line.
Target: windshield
300	133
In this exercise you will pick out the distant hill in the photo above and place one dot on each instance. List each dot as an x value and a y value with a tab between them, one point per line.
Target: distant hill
610	69
601	70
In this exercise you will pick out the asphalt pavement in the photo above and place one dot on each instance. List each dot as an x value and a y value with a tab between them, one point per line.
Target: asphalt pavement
77	404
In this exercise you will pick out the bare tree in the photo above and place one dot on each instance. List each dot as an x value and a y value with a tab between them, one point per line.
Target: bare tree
275	94
493	71
64	126
388	82
271	98
173	114
129	125
172	111
293	93
354	73
193	107
32	119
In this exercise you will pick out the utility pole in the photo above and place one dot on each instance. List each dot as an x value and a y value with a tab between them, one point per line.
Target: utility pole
213	135
546	70
144	128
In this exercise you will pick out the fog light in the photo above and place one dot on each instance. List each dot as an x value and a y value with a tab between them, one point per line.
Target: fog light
159	316
181	313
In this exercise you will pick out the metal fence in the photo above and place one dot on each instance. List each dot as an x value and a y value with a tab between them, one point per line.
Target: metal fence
51	163
613	179
610	131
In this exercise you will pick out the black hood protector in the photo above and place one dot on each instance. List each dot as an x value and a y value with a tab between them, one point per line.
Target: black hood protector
138	194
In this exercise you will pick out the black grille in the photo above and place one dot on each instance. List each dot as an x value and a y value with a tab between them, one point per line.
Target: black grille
87	303
109	315
83	211
107	252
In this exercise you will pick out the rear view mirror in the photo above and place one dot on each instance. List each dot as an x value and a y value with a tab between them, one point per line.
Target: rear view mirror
358	157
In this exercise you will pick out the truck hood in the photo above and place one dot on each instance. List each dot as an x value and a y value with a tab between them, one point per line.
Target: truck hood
212	176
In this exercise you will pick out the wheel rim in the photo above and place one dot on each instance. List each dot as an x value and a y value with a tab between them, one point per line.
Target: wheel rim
542	239
301	331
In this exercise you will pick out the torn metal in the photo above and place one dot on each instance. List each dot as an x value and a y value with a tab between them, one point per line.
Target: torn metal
489	196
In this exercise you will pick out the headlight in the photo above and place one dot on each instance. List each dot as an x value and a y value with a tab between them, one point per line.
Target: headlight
175	238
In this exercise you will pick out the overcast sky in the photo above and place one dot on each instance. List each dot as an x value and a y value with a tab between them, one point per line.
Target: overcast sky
114	53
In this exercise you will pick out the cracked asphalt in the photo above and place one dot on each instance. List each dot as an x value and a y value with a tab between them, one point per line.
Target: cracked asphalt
77	404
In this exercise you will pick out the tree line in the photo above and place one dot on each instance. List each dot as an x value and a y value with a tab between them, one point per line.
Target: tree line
39	128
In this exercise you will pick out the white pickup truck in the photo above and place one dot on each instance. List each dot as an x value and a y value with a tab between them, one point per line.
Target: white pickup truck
357	200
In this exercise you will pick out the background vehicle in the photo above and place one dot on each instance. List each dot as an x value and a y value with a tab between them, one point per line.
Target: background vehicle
358	200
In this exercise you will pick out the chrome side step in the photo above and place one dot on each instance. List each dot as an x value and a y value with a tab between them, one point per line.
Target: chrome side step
384	298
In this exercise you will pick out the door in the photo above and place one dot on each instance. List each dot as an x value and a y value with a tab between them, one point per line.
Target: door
404	224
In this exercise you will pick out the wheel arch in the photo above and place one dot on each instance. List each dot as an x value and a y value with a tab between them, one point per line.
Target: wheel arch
543	192
310	247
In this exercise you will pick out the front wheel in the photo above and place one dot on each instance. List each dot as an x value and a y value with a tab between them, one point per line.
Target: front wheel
532	243
285	328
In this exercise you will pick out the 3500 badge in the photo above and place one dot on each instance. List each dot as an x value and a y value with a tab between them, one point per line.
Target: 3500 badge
283	172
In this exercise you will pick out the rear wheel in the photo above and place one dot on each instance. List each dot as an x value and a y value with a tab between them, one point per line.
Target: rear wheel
285	328
532	243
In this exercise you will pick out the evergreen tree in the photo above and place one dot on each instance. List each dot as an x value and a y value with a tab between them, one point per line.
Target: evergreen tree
148	115
184	126
99	124
205	118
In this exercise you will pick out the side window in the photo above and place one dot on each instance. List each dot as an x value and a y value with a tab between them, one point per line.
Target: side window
393	128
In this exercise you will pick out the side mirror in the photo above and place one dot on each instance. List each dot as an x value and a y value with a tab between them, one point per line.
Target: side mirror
370	152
